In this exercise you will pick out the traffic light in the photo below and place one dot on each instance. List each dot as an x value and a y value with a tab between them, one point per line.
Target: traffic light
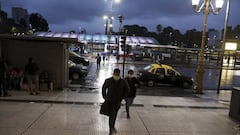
122	40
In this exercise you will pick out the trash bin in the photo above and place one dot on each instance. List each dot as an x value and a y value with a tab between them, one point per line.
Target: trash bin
235	104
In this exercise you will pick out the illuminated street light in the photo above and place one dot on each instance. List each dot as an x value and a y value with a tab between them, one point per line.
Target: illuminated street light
223	45
110	16
105	17
121	18
109	19
205	6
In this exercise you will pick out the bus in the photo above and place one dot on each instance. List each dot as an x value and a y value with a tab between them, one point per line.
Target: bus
146	50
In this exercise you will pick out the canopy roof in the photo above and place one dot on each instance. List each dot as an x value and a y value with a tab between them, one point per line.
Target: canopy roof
98	38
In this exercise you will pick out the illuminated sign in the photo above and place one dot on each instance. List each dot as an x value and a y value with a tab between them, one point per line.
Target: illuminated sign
232	46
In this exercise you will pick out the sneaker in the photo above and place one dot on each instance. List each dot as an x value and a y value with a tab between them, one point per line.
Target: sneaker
114	130
37	93
31	93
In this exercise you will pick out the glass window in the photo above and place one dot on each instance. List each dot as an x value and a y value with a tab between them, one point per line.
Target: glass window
171	72
160	71
147	67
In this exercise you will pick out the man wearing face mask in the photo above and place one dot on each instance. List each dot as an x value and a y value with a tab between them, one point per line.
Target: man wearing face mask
132	83
114	90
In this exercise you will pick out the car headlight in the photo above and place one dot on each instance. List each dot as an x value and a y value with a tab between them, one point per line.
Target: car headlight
192	79
83	68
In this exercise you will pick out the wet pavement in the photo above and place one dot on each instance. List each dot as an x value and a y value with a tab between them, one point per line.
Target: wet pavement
67	112
230	74
159	110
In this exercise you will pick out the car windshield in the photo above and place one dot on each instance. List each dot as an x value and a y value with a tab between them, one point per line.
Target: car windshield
147	67
73	54
173	72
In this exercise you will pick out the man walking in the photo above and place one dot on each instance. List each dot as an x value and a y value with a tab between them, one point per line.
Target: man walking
3	69
114	90
31	70
98	60
132	83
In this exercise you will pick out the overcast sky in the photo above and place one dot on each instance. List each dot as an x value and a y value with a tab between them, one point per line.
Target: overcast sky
66	15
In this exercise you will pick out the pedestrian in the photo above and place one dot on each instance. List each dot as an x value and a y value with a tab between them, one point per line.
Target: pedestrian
104	59
133	83
114	90
98	57
32	69
228	60
3	75
118	57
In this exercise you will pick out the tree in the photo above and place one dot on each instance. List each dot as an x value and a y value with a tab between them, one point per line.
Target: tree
236	31
135	30
192	38
167	34
159	28
23	23
5	27
38	22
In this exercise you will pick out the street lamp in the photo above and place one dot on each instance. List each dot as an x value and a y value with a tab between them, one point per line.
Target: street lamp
205	6
223	44
105	17
121	18
110	18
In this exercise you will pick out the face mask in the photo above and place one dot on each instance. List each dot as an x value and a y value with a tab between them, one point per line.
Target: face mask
130	76
116	77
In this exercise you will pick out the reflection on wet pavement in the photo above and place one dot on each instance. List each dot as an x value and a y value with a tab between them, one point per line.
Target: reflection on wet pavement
92	83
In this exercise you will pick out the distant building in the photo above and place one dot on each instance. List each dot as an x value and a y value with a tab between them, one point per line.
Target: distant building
19	13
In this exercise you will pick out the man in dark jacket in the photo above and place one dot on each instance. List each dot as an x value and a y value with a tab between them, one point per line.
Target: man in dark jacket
114	90
3	69
132	83
31	69
98	57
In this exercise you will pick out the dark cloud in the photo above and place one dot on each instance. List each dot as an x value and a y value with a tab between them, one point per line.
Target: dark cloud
155	8
68	15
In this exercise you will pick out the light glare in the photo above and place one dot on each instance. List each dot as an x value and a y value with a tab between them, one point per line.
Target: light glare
219	3
195	2
117	1
230	46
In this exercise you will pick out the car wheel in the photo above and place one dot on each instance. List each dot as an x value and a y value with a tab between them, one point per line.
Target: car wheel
186	85
150	83
75	76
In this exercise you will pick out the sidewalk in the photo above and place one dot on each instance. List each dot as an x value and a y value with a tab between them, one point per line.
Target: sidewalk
69	112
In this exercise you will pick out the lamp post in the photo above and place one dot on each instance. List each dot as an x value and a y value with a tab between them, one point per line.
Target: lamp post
105	17
109	20
223	45
205	6
110	16
121	18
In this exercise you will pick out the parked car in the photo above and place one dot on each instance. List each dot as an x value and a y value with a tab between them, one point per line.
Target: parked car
163	74
76	58
136	55
76	71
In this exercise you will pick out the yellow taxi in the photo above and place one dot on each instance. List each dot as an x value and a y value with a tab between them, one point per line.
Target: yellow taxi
163	74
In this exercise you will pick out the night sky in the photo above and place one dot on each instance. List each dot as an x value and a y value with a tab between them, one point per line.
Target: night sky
63	16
